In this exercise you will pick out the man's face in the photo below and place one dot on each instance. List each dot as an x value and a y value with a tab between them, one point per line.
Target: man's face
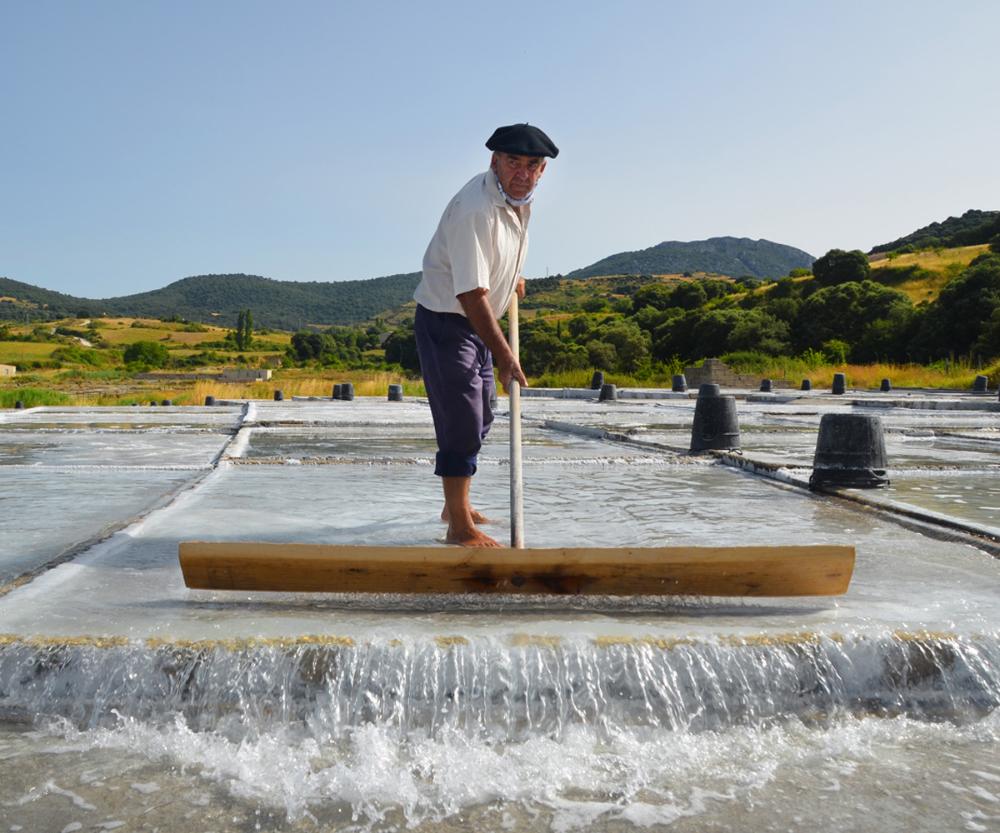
518	175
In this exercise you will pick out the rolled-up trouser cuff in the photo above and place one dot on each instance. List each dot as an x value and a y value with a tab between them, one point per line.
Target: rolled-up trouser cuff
454	464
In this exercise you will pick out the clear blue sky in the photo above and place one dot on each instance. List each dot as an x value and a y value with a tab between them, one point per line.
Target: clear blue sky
142	142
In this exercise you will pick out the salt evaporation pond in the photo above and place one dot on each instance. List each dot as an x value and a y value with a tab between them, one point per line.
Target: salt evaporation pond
130	702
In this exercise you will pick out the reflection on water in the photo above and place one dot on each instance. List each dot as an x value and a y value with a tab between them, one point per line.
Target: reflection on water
972	496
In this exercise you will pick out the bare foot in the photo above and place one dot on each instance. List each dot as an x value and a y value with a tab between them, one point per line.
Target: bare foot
469	537
477	516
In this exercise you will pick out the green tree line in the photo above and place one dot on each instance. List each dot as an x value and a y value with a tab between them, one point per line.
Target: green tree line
839	315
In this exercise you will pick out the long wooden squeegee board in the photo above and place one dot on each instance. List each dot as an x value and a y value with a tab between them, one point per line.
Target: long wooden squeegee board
701	571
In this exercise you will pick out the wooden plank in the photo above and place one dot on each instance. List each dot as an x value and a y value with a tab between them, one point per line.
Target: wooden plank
630	571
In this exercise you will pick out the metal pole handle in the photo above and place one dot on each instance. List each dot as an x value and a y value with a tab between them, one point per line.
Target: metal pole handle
516	474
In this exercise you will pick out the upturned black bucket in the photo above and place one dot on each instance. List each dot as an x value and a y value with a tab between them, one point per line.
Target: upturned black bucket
807	385
765	385
839	383
347	391
395	393
279	396
209	401
19	405
886	386
680	383
336	392
597	380
167	403
981	385
716	425
609	393
850	452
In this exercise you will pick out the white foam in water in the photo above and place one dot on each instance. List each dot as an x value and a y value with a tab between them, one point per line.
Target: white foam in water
584	777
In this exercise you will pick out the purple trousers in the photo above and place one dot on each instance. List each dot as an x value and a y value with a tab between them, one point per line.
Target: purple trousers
458	374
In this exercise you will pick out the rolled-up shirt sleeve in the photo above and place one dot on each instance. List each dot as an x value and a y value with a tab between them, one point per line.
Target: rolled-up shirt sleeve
470	248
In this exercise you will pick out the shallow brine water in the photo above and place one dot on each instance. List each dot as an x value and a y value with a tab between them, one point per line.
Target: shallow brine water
130	702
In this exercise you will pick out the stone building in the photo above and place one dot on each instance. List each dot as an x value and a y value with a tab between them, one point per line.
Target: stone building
714	371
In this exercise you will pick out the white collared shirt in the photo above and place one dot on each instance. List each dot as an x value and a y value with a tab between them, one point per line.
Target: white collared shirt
480	242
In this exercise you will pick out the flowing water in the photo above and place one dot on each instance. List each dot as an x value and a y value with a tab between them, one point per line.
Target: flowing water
129	702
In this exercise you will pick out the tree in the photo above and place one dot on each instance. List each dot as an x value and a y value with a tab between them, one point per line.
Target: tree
630	342
401	348
675	336
657	295
243	335
539	348
601	355
837	267
649	318
579	326
689	295
988	343
306	346
846	312
756	330
711	332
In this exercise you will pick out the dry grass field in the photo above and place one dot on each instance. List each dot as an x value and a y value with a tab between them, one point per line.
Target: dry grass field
930	270
869	376
123	331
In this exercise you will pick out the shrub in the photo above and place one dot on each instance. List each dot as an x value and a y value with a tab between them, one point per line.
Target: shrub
747	361
31	397
594	305
835	351
812	359
71	354
147	353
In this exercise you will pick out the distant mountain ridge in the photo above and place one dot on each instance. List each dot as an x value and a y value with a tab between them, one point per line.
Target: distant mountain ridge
291	305
285	305
733	256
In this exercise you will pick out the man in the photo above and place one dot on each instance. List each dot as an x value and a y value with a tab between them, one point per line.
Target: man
471	270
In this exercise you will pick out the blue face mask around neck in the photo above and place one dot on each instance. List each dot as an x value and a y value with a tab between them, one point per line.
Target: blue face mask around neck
526	200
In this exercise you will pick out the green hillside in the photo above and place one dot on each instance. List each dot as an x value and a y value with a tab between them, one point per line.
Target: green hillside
971	229
923	274
734	256
21	301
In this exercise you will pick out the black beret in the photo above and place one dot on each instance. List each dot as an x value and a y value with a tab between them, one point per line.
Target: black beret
522	140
